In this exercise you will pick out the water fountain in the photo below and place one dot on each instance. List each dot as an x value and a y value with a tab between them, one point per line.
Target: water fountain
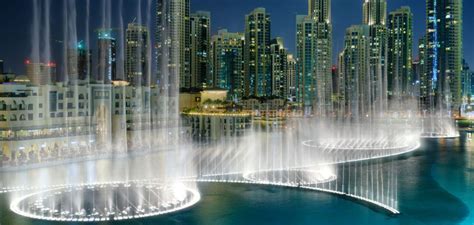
139	161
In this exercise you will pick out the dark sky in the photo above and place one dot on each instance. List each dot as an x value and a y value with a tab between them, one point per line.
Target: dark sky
16	19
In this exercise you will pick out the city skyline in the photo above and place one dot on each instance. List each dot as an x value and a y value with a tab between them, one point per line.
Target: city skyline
283	24
127	106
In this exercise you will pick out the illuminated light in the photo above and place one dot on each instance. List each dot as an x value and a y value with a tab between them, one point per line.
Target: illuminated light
179	197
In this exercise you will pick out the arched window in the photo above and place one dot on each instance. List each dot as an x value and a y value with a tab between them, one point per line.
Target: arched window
13	117
13	106
22	117
22	105
3	118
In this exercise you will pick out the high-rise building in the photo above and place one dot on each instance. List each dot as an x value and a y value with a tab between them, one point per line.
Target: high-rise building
136	62
375	16
257	54
200	49
400	42
355	82
228	63
84	62
423	75
79	63
314	56
320	10
173	44
340	92
416	77
375	12
444	51
323	68
279	57
306	30
467	82
292	78
41	73
107	58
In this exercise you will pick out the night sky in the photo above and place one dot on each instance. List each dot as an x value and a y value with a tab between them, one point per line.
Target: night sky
229	14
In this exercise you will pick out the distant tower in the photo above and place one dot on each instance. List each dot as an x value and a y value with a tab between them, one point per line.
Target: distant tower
306	48
173	44
136	64
200	49
228	62
314	56
354	63
444	51
320	10
375	12
106	58
79	61
425	81
84	64
257	54
375	16
466	83
400	42
279	57
292	82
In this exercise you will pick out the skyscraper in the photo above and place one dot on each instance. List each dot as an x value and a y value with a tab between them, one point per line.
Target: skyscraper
136	62
375	16
84	64
278	55
375	12
355	83
173	44
257	54
228	62
1	67
107	58
444	50
200	49
425	82
466	82
320	10
79	63
314	54
306	47
292	78
400	42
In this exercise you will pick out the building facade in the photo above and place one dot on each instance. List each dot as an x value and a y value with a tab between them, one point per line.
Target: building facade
200	49
400	45
173	29
257	54
228	63
375	16
444	51
279	57
137	55
107	58
355	81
